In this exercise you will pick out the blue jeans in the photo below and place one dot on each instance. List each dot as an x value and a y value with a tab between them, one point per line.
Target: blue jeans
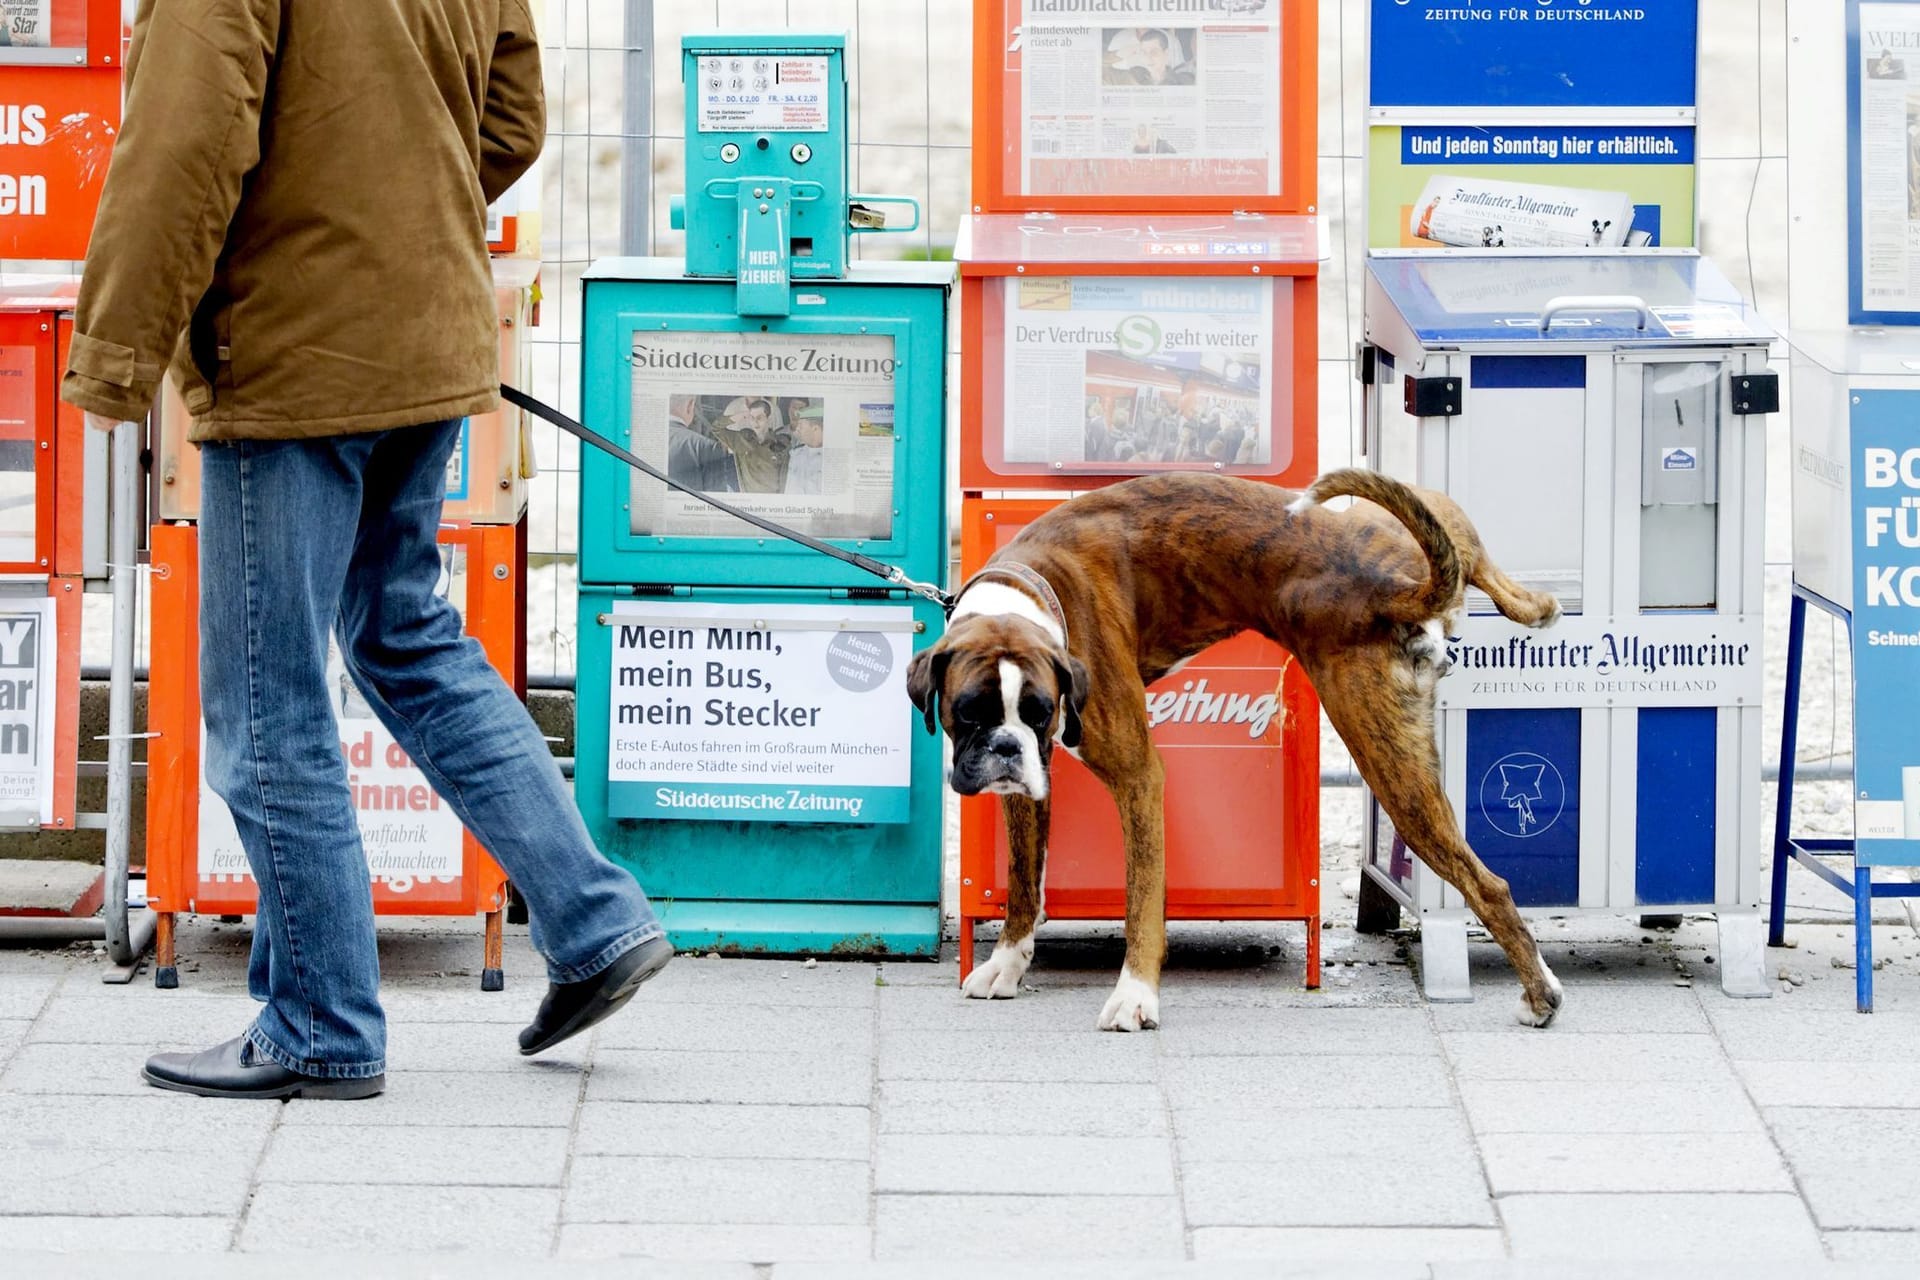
300	537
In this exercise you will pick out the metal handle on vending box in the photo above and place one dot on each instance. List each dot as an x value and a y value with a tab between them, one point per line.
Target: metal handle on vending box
1595	302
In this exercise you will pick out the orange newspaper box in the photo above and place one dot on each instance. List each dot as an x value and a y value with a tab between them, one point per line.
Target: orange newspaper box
1077	111
59	115
1238	729
488	473
1107	346
420	860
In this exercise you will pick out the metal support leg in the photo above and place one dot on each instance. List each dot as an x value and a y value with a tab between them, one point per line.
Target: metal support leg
1443	958
1783	802
1743	956
966	945
1863	937
122	514
166	970
492	975
1313	951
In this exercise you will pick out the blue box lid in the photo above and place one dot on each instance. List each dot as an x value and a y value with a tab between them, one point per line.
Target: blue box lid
1452	299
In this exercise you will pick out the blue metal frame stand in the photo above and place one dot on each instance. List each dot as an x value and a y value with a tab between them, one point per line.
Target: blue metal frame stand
1808	851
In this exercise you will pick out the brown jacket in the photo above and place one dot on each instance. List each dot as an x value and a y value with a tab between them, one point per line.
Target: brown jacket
295	213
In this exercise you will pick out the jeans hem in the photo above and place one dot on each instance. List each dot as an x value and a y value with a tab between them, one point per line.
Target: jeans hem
607	955
320	1070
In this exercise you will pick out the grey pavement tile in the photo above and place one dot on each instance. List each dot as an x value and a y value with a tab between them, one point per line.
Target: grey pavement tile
1662	1227
1637	1162
693	979
1824	1035
744	1131
475	1046
647	1189
1021	1164
1049	1009
1553	1054
152	1120
714	1028
188	1181
83	1069
444	1002
1346	1245
142	1016
13	1034
125	1235
1608	1106
1386	1032
753	1243
1030	1228
1260	1084
966	1055
473	1098
1407	1188
801	1079
22	994
1873	1246
1069	1108
944	972
1856	1167
1309	1134
1819	1083
289	1219
1650	1004
434	1155
984	1257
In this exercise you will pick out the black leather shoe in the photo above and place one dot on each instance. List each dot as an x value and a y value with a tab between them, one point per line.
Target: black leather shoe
572	1007
236	1070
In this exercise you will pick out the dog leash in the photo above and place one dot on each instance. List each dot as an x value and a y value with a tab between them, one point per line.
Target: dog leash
894	575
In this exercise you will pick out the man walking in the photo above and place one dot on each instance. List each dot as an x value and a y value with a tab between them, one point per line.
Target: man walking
294	218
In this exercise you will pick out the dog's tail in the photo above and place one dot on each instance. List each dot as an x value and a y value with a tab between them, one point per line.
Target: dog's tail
1446	576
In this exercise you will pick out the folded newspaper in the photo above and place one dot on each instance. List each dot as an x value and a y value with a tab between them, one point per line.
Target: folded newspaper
1484	213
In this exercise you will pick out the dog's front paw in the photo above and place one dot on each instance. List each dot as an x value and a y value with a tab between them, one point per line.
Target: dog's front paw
999	978
1539	1012
1133	1006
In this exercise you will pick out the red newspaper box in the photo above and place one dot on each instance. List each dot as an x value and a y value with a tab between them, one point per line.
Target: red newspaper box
1077	111
1239	731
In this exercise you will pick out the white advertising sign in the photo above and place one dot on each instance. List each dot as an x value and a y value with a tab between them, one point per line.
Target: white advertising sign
28	658
720	712
1588	660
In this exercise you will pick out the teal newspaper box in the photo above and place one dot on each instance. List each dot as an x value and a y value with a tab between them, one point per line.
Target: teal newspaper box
745	743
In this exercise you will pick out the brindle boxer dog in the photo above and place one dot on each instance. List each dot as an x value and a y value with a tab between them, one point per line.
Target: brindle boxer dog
1062	631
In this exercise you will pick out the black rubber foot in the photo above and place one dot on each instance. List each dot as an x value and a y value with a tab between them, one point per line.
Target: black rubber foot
1660	922
1377	910
516	907
166	977
492	980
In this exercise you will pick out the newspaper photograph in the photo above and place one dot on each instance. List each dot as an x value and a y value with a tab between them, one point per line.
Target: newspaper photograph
1484	213
28	655
1133	372
794	427
1888	164
26	23
1166	106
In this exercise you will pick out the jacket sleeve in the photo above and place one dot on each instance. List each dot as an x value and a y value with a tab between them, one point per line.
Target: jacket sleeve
196	78
513	127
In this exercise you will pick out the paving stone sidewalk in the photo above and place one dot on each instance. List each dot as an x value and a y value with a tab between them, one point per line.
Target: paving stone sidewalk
763	1112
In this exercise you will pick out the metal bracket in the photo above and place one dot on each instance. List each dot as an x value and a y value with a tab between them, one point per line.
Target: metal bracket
1436	397
1755	393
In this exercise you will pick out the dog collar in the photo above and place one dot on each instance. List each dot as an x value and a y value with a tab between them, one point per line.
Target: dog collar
1029	577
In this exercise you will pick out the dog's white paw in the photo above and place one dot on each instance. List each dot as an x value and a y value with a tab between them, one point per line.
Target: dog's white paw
999	978
1133	1006
1528	1016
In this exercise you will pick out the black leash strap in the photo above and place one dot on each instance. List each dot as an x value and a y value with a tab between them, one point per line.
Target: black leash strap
878	568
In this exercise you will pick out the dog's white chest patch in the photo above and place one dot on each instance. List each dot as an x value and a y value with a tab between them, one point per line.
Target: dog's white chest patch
997	599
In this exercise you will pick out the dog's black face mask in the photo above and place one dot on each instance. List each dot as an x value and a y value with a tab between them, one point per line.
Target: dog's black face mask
1000	703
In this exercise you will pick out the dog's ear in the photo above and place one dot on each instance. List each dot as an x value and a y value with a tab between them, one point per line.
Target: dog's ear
926	677
1072	676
